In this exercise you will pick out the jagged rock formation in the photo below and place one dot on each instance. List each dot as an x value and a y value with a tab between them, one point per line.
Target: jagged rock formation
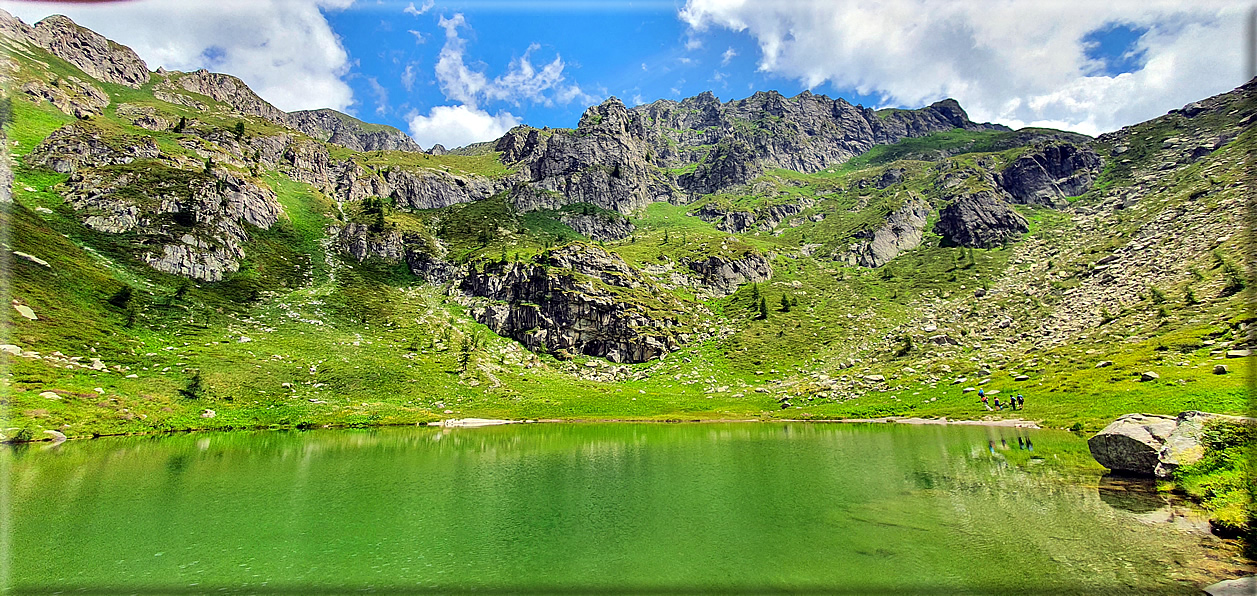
185	223
79	145
580	300
730	163
805	133
903	230
1048	174
603	162
980	220
344	130
723	276
437	149
100	58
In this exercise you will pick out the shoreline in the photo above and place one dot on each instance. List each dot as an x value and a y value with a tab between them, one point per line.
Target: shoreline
484	422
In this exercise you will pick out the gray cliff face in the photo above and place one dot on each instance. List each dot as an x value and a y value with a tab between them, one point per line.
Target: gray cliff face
184	223
361	243
100	58
1048	174
79	145
598	226
730	163
603	162
980	220
722	277
903	230
552	308
430	189
344	130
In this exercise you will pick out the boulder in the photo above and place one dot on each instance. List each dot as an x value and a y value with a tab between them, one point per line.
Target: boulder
1132	443
1238	353
1104	363
1220	369
1244	586
1149	445
1148	376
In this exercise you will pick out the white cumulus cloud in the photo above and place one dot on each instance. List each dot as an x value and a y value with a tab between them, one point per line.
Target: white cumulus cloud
411	10
523	81
284	50
1019	62
455	126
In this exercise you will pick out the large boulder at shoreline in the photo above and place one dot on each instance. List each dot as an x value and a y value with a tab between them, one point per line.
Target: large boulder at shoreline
1132	443
1149	445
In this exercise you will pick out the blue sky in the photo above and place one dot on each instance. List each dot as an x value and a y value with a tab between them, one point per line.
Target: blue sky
460	71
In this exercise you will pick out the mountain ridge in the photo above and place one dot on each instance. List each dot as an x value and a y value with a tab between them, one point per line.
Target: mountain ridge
764	257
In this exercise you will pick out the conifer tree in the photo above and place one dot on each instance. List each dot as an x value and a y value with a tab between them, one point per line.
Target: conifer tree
763	308
785	303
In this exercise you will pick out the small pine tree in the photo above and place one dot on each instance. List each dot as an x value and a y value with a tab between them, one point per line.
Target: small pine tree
1189	296
754	296
665	236
763	308
785	303
122	298
239	130
183	123
195	388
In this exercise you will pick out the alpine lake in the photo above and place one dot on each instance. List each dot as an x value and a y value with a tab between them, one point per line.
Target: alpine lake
599	508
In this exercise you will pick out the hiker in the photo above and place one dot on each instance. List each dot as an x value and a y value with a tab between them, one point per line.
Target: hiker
1020	444
1029	445
984	404
997	403
1021	401
982	394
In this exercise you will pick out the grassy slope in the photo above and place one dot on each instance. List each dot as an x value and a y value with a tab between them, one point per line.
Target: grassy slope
393	341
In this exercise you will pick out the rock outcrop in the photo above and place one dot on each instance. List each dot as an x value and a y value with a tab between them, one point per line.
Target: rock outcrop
599	226
228	90
1047	174
578	300
605	162
1149	445
902	230
345	130
71	95
805	133
80	144
185	223
980	220
765	218
722	277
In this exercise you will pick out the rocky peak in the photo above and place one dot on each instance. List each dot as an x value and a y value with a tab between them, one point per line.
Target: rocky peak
91	52
610	117
231	91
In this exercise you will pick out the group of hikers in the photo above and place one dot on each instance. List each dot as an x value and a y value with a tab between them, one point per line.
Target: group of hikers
1015	403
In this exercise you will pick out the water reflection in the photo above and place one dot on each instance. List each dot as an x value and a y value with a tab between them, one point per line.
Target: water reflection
712	507
1129	493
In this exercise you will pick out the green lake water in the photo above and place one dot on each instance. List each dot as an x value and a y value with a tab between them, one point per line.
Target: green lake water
591	508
